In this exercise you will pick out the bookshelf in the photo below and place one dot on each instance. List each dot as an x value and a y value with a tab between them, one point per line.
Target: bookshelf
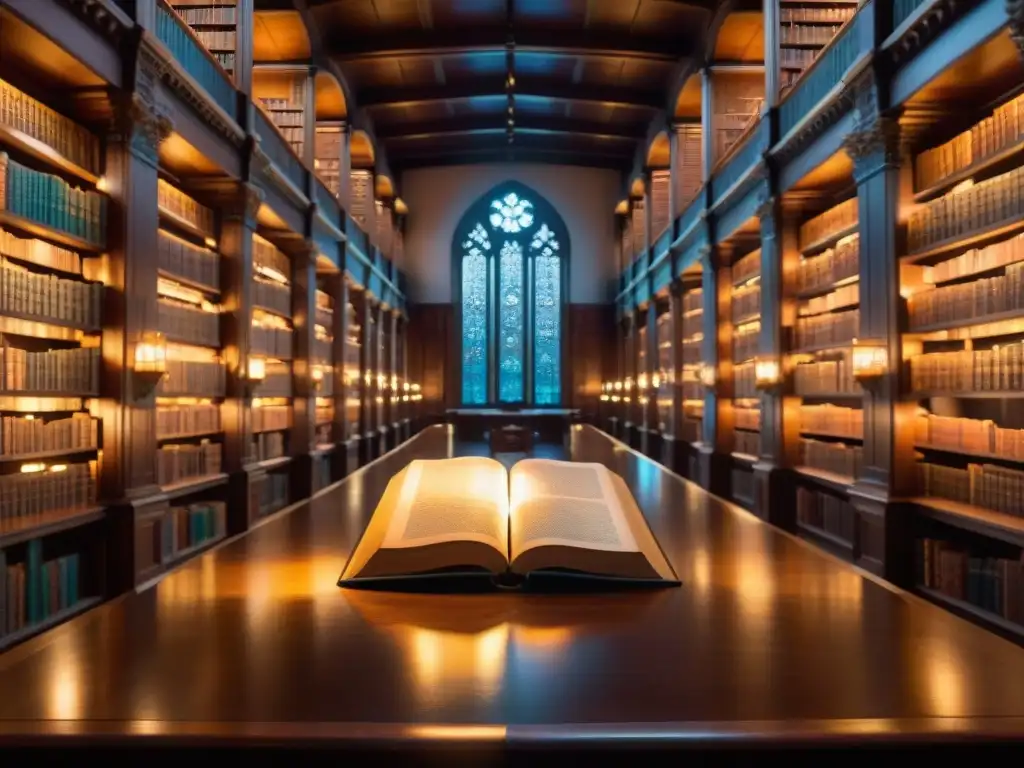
964	342
354	386
829	398
805	28
215	24
665	376
188	399
745	320
281	94
53	221
322	371
327	156
271	343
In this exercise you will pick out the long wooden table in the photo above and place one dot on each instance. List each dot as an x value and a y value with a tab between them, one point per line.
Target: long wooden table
768	642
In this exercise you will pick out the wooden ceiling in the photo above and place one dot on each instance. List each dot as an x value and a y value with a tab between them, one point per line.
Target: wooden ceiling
589	75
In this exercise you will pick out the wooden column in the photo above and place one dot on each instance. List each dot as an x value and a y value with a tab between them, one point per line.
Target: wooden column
772	74
707	132
717	438
780	416
127	473
887	471
336	286
244	17
309	123
303	433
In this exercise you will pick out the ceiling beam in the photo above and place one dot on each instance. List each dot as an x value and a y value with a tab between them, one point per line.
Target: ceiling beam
612	96
432	43
510	154
496	122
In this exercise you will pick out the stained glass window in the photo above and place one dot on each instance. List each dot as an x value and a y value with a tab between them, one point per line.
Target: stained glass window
513	293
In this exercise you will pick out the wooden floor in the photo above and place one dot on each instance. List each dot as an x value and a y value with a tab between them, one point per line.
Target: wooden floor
767	639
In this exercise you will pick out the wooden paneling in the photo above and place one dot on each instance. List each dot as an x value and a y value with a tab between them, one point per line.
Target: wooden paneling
590	337
433	353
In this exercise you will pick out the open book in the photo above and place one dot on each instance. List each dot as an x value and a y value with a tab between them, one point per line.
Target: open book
472	515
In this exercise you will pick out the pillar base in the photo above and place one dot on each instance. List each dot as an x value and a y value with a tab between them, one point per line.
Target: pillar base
712	470
884	540
243	490
612	426
774	495
132	524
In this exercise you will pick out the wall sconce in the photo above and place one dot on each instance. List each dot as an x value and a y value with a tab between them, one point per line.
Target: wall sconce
255	372
150	364
415	387
708	375
767	373
870	360
618	386
655	381
641	382
316	375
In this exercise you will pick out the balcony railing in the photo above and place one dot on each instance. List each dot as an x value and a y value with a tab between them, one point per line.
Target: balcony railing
356	236
327	203
279	151
829	70
743	156
193	57
902	10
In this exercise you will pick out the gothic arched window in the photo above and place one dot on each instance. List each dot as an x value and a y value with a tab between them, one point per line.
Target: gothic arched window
511	254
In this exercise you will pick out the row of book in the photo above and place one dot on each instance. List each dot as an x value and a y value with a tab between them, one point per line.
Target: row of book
748	443
324	435
965	302
840	298
823	511
271	336
993	584
693	301
826	377
180	206
48	297
276	384
193	377
266	417
272	296
52	202
1000	369
34	590
958	433
22	113
799	34
270	493
968	208
188	261
746	341
38	489
744	380
211	13
193	418
746	302
1002	129
268	261
830	223
21	435
747	267
977	260
186	527
72	371
747	417
831	266
40	252
268	445
177	462
353	413
983	485
797	58
838	458
832	420
835	13
837	329
188	323
217	40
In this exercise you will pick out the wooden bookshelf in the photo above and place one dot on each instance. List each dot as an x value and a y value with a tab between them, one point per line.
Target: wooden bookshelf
215	24
281	94
691	423
745	304
805	28
53	220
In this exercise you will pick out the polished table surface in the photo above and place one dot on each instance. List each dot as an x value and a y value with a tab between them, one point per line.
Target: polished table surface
767	639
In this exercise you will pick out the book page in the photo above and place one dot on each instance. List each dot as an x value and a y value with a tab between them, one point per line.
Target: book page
554	503
445	500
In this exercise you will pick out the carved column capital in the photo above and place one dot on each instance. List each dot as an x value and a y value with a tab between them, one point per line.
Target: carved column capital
874	147
243	204
143	125
1015	10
